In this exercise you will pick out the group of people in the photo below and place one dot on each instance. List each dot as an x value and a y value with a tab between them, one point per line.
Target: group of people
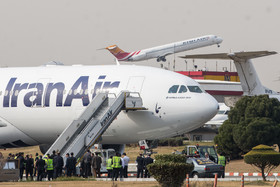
91	165
117	166
49	166
52	166
142	163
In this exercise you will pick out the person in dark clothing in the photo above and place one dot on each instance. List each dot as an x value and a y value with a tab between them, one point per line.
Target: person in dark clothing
59	163
67	165
54	166
140	165
96	165
53	154
29	166
35	161
73	164
87	161
40	166
82	169
148	160
21	165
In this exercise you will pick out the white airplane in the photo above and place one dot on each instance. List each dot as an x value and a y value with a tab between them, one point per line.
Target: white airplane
220	117
160	52
38	103
250	82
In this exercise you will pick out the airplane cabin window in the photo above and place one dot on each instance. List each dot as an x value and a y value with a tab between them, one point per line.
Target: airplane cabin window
183	89
195	89
173	89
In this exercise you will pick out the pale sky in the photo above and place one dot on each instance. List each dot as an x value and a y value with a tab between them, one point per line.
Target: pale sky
33	32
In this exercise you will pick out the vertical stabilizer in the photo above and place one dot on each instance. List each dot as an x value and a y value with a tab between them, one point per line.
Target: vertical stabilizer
118	53
249	79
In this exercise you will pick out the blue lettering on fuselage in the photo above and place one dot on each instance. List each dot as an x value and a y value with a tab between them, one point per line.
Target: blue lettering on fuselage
40	96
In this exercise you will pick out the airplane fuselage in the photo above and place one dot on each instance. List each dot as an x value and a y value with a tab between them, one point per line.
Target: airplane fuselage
160	52
37	103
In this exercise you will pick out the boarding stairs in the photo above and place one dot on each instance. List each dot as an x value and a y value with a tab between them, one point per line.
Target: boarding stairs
85	131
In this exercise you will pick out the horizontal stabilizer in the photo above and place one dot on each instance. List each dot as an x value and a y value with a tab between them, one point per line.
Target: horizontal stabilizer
237	56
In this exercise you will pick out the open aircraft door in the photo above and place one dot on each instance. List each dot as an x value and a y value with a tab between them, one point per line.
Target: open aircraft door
135	84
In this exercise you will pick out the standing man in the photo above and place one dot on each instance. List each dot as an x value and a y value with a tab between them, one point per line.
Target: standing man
122	169
148	160
73	164
35	161
29	166
67	165
96	165
117	164
49	167
140	165
126	161
59	163
21	165
87	161
40	166
109	167
94	174
222	161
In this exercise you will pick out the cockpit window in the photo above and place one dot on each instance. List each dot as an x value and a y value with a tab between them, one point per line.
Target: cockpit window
173	89
195	89
183	89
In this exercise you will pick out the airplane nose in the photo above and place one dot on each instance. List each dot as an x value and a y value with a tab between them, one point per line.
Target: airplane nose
219	40
210	107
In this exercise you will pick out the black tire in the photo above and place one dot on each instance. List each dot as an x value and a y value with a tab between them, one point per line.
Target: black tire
195	175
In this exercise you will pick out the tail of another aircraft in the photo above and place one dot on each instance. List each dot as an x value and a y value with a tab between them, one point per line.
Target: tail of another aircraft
249	79
118	53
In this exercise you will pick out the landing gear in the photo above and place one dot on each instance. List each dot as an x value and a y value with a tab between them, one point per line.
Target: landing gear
218	45
161	58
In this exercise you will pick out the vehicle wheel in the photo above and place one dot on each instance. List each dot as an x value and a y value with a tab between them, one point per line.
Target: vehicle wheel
195	175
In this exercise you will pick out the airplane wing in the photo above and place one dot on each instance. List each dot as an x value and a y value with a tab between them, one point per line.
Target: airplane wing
232	56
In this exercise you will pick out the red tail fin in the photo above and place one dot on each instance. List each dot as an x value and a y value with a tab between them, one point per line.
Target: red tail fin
117	52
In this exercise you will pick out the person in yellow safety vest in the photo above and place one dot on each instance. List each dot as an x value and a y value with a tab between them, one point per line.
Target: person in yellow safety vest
49	167
222	161
116	165
109	166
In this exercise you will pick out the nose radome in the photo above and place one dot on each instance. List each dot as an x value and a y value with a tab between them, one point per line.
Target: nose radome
211	106
220	40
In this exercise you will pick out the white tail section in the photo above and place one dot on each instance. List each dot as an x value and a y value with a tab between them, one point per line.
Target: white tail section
248	76
250	82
